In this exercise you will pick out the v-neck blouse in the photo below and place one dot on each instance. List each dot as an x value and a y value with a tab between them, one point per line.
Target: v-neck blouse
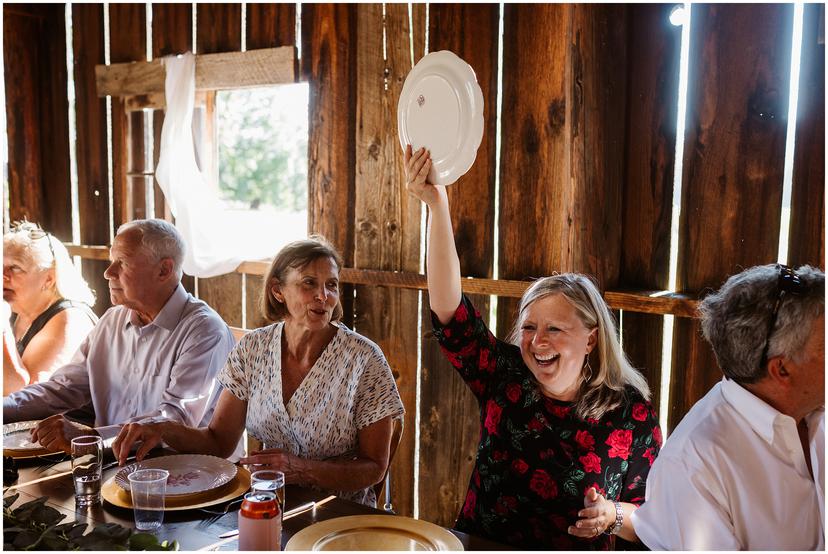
349	387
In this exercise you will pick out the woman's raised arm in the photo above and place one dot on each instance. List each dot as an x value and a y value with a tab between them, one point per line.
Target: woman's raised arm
442	263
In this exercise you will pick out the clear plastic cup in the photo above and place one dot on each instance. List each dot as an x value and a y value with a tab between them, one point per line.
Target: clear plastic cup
269	480
148	488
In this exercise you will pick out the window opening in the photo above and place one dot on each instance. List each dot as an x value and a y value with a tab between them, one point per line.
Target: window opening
262	180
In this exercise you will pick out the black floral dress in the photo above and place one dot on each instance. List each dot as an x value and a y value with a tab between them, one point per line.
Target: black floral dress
536	458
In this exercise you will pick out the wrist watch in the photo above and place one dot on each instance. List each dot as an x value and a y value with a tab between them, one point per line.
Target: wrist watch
619	520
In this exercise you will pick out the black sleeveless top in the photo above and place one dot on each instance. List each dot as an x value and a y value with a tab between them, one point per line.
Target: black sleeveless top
50	312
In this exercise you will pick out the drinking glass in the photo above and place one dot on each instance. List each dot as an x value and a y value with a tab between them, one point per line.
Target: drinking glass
269	480
87	462
148	488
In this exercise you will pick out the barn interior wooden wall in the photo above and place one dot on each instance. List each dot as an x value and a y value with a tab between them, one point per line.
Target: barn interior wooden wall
586	163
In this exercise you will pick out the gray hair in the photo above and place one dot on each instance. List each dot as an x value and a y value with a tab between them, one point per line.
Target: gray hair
160	239
735	319
605	391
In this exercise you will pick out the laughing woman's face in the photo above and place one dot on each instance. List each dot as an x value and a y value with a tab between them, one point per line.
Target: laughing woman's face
553	344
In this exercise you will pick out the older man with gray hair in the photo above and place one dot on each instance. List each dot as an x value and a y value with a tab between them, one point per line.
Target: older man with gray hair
153	356
745	468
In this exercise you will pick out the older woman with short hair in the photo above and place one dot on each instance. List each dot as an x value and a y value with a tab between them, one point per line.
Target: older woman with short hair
320	396
50	304
567	432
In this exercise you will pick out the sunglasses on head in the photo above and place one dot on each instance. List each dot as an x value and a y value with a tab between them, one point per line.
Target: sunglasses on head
787	282
35	232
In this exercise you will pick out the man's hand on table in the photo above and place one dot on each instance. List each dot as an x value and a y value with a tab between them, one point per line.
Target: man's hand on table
148	434
56	433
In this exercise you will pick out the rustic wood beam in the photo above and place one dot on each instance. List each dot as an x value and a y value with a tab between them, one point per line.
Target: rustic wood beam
650	302
226	70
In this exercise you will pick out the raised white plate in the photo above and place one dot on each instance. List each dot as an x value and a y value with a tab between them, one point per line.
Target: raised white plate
374	532
441	108
189	473
17	436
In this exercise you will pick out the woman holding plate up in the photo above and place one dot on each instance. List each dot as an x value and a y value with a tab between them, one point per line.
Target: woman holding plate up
567	432
320	396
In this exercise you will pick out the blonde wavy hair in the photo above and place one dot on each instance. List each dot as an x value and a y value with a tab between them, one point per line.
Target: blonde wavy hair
611	372
47	252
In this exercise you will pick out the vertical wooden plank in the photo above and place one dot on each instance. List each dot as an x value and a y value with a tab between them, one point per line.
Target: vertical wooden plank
20	29
252	299
733	165
449	413
387	220
172	33
598	53
127	43
37	116
93	185
54	124
534	146
652	104
806	243
218	29
172	29
270	25
561	144
329	66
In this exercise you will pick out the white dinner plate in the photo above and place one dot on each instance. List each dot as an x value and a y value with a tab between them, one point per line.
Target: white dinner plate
189	473
374	532
17	436
441	108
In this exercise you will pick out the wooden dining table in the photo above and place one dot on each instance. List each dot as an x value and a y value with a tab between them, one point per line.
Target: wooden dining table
189	527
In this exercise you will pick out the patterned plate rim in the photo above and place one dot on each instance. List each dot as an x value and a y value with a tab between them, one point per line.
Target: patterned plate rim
122	480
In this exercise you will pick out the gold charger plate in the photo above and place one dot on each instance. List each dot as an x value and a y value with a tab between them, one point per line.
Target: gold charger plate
33	451
240	484
374	532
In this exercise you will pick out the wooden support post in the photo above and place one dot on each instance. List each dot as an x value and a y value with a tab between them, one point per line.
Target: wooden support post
733	164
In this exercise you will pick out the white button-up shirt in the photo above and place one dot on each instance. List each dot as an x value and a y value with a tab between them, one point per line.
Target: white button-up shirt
132	372
733	476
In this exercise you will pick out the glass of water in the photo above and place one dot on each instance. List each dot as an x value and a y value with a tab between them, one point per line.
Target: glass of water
87	462
148	488
268	480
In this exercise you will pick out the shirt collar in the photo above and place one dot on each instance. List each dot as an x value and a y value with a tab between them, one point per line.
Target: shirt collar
170	314
760	415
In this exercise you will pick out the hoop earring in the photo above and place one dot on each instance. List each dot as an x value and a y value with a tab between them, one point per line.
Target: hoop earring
588	376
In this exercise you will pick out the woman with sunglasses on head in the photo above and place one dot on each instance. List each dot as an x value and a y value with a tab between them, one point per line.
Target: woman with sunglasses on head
50	305
567	432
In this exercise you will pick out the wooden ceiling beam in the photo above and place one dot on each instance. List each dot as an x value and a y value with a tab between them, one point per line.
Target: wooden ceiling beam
227	70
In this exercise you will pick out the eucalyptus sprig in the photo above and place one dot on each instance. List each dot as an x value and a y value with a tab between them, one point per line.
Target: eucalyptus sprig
36	526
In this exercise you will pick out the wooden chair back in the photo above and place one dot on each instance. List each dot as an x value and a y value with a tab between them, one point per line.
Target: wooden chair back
396	437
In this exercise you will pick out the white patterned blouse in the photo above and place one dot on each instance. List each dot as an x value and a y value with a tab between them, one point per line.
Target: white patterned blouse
349	387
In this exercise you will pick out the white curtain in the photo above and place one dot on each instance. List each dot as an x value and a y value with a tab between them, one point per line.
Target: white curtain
216	244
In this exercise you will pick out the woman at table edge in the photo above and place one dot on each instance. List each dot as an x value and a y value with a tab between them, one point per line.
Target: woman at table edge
444	287
51	301
301	296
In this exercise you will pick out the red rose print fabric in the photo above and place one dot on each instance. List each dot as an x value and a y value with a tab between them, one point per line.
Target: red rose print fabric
536	458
